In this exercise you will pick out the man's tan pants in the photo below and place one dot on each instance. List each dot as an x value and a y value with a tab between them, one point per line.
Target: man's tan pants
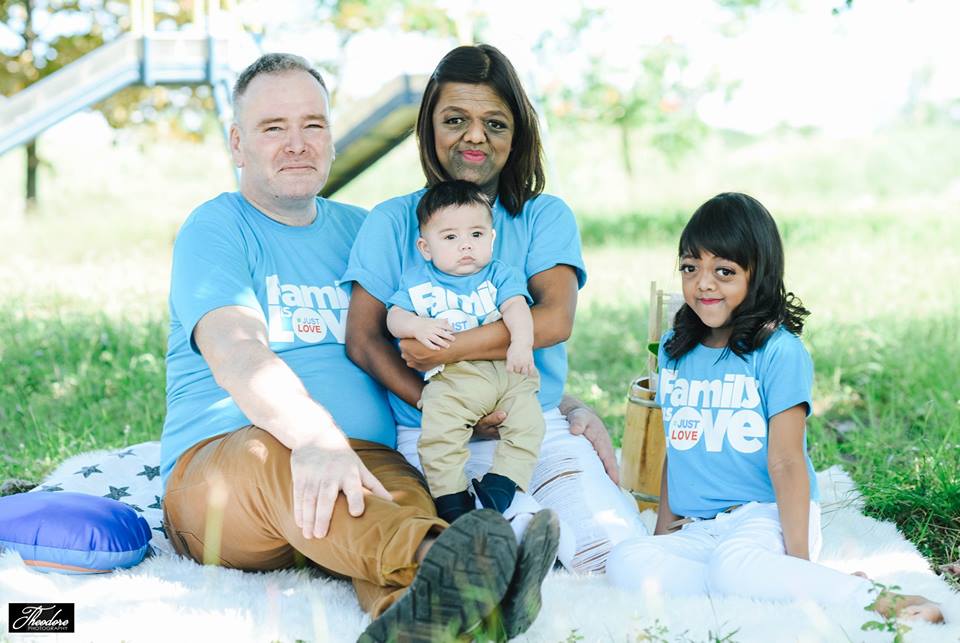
229	501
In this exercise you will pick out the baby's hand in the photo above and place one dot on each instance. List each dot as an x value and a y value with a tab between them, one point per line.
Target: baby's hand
434	333
520	360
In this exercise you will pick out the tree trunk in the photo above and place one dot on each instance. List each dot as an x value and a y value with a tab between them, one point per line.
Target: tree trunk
33	161
625	147
29	37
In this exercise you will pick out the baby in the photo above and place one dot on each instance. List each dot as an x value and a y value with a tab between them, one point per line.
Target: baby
458	287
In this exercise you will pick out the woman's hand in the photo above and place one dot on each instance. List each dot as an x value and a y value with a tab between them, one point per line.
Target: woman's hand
419	357
584	421
488	427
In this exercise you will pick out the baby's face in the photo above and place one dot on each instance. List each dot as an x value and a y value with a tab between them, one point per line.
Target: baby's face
458	239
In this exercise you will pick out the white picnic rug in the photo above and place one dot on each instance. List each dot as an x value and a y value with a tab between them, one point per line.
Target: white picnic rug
167	598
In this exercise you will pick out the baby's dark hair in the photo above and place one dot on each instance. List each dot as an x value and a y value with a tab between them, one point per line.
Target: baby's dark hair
450	193
738	228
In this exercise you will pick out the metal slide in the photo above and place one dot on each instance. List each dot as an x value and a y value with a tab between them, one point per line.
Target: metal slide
370	128
174	59
373	127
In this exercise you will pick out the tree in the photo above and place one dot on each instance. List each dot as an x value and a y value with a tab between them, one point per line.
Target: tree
41	51
644	92
50	34
351	17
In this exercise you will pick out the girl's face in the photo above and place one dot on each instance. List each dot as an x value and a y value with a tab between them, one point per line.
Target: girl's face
713	287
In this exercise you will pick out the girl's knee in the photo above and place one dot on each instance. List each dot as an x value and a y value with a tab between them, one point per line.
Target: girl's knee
728	564
630	561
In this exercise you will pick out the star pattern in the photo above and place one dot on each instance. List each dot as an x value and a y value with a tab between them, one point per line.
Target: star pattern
130	475
117	492
150	472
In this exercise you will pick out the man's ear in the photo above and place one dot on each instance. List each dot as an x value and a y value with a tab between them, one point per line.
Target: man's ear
423	248
235	145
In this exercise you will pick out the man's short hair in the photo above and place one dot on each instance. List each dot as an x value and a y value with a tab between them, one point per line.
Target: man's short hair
272	64
450	193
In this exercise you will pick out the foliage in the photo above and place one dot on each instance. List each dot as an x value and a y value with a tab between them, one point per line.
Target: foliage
643	90
888	622
51	34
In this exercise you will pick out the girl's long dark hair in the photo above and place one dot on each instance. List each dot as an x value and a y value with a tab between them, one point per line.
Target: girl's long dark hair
738	228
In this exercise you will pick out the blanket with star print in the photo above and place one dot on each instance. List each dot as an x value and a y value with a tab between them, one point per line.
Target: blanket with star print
171	598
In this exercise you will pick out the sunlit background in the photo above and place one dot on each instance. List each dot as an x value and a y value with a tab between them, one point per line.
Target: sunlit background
843	117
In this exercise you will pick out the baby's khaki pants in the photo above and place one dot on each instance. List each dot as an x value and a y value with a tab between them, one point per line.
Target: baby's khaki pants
229	501
453	401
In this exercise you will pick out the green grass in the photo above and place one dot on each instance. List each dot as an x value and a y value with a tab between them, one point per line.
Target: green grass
871	249
903	447
75	383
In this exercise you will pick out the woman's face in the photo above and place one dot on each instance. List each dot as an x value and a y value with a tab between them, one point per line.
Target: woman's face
473	132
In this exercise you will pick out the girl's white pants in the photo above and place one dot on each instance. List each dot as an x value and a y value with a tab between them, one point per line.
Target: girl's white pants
569	478
737	553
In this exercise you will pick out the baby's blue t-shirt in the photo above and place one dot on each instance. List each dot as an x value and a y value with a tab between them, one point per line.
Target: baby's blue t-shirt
542	236
716	409
465	301
228	253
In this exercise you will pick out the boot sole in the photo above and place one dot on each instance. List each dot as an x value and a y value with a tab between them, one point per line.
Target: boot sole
462	579
538	552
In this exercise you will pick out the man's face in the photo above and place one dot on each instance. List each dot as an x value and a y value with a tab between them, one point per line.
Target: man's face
282	139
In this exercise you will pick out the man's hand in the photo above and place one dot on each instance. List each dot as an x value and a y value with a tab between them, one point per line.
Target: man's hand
433	333
319	475
583	421
520	359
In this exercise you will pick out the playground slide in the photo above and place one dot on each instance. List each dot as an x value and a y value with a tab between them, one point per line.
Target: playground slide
369	129
176	58
372	128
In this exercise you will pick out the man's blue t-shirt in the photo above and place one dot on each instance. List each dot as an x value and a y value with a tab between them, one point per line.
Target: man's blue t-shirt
542	236
716	409
228	253
465	301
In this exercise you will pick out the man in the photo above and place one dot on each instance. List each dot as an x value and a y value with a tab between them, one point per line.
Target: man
276	446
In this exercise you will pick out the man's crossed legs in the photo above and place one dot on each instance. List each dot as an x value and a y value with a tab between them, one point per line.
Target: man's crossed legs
229	500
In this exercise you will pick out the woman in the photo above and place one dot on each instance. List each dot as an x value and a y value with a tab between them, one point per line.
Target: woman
477	124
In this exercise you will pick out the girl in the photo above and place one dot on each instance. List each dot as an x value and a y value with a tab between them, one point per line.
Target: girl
739	511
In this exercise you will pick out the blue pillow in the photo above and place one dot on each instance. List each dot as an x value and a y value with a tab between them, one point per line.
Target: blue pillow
72	533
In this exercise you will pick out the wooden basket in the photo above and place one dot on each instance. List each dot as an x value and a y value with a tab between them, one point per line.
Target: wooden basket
643	445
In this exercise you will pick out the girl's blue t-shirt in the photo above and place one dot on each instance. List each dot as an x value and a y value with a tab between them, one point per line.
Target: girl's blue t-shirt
228	253
542	236
716	410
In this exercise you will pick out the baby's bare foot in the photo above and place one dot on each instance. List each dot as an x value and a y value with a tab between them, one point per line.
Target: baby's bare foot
908	606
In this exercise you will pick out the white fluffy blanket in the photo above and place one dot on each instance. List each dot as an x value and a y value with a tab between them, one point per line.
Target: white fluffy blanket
167	598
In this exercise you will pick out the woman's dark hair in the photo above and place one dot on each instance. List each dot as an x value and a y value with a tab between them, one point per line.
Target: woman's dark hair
522	177
450	193
738	228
